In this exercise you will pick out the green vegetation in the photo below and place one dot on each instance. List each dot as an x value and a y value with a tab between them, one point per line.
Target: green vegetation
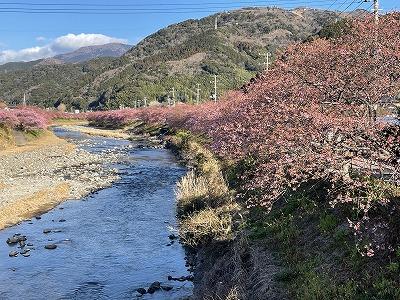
335	29
320	253
180	56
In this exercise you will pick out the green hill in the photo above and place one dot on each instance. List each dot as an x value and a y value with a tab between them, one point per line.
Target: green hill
180	56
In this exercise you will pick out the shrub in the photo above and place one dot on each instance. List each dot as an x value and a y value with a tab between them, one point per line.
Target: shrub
8	119
30	120
23	119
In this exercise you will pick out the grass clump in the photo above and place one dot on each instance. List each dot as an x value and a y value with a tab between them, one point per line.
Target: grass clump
198	192
328	223
207	225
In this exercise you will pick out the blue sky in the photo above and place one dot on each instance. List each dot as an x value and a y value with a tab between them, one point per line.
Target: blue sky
45	34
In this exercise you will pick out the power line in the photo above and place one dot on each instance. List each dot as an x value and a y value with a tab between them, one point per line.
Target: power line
200	4
354	1
359	5
333	3
58	9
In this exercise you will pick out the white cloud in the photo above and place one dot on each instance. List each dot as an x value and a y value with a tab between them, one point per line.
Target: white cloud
27	54
62	44
74	41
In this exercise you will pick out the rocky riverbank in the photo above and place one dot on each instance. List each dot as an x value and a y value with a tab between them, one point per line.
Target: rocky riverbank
34	179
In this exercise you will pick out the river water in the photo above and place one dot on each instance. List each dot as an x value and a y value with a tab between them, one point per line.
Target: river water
111	243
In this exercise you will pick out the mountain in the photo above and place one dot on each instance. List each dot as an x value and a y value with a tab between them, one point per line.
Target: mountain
78	56
19	65
183	57
90	52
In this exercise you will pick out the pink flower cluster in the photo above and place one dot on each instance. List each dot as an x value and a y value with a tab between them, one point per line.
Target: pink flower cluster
308	119
23	119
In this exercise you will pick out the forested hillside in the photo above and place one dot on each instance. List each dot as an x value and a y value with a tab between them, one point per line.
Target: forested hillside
183	57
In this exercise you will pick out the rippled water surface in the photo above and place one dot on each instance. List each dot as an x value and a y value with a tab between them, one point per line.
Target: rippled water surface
111	243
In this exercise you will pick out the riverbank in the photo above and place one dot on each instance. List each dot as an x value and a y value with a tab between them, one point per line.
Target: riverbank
37	176
83	128
226	262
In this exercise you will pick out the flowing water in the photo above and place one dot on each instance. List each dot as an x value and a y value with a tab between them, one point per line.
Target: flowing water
111	243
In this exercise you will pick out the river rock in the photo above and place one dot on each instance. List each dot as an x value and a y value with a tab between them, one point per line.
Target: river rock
13	254
182	278
62	220
12	240
16	239
155	286
190	278
141	291
50	246
29	245
38	217
21	238
46	231
27	254
166	287
25	251
172	237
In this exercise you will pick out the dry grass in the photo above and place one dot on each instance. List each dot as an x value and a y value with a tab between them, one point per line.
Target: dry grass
204	201
204	188
6	138
197	192
233	294
207	225
38	203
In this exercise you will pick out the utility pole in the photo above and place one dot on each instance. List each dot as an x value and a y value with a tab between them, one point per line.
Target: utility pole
173	96
215	88
376	11
216	23
198	93
267	62
24	101
145	101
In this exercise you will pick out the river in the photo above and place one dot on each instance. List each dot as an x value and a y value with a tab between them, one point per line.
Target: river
109	243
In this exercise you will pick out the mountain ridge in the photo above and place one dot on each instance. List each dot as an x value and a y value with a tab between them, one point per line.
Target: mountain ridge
183	56
79	55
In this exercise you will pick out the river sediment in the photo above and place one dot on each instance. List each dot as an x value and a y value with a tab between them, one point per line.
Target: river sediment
35	178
